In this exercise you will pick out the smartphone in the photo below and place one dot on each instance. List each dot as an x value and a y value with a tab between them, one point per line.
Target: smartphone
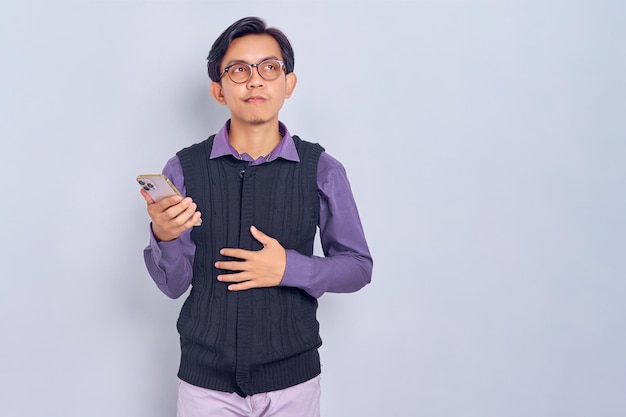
158	186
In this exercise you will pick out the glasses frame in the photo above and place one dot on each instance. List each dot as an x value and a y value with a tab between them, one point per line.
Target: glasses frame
250	66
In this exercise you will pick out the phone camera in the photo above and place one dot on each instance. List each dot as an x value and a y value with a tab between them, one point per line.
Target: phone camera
146	184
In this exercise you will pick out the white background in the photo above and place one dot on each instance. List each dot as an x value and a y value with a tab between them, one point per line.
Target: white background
485	143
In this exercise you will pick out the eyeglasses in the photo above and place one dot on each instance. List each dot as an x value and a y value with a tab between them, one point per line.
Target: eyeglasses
240	73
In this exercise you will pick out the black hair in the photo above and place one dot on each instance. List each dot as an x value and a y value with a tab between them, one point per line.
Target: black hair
243	27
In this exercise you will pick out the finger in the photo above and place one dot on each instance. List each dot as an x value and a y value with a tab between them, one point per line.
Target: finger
193	219
238	277
181	211
230	266
146	196
260	236
236	253
168	202
246	285
196	220
161	207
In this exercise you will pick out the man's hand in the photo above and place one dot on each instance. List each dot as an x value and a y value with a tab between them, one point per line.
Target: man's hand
171	216
263	268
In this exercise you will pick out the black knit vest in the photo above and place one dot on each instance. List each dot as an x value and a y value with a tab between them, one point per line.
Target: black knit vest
263	339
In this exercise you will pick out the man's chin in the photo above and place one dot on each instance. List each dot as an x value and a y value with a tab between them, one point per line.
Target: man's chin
258	122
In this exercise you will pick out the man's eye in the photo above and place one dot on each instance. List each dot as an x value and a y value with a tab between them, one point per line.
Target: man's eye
238	68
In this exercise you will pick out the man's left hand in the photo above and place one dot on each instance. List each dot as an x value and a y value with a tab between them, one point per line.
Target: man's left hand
257	269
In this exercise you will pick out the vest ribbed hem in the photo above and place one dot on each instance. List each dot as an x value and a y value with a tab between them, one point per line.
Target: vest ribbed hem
269	377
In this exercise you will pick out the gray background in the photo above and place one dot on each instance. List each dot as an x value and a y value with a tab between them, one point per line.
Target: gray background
485	142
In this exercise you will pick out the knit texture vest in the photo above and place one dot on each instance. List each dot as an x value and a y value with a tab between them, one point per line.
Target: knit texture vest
257	340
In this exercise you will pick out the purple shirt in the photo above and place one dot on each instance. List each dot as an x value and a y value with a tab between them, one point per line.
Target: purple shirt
347	265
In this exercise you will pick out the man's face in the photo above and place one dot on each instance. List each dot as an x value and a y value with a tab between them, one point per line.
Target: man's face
256	101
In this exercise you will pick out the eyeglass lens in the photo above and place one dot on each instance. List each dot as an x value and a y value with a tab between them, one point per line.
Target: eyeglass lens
240	73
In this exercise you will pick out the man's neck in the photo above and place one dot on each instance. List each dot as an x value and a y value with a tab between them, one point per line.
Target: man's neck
255	140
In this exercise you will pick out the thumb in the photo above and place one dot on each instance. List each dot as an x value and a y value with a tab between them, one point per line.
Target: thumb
146	196
260	236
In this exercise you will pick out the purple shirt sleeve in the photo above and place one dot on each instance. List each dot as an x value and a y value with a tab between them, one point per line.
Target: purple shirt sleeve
346	267
170	264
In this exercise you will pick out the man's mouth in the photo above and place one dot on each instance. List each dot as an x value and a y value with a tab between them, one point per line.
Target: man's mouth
255	99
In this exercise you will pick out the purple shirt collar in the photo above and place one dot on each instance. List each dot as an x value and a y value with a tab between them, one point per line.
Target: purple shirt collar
286	149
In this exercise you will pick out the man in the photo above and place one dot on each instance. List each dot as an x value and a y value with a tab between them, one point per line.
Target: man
248	329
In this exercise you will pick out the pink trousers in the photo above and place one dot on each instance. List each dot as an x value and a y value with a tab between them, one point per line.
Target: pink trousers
301	400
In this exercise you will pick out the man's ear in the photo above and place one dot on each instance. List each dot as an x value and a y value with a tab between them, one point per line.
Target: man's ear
292	80
217	93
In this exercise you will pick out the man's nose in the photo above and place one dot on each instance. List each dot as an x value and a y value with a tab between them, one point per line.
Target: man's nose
255	80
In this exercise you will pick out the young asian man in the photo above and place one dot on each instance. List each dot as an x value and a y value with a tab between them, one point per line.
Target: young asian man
248	328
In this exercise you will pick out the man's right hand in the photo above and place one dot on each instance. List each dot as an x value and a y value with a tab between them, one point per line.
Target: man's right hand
171	216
